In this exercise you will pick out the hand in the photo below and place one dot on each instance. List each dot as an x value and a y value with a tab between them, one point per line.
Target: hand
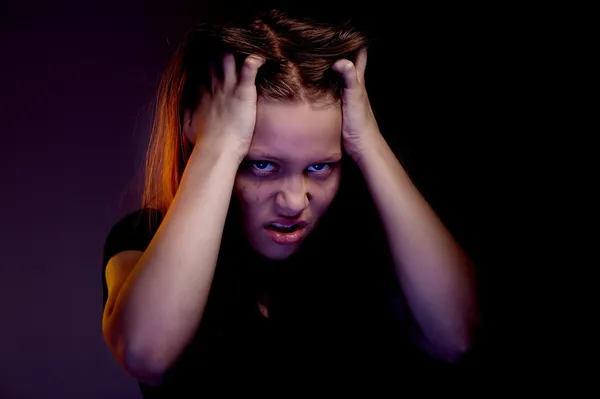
226	114
359	127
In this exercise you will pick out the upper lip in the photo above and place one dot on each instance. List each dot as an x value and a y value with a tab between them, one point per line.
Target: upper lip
289	222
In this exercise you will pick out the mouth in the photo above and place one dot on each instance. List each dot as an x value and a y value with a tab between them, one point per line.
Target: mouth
286	232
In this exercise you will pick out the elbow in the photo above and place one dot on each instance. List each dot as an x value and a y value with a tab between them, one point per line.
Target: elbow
139	361
449	349
453	353
454	344
144	367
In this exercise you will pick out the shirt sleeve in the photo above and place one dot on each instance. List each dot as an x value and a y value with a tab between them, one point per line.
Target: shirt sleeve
132	232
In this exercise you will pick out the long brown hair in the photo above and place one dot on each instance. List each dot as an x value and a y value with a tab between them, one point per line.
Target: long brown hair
299	54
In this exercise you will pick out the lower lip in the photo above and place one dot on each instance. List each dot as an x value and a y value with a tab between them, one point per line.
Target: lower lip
286	238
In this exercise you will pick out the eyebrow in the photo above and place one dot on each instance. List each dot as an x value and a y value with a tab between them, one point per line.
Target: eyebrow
262	154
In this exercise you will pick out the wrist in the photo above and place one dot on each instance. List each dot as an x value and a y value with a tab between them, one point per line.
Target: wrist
221	151
370	149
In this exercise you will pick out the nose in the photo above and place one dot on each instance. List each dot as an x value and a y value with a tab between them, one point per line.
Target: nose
293	197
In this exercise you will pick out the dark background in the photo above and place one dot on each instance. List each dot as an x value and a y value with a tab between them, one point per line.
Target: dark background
77	82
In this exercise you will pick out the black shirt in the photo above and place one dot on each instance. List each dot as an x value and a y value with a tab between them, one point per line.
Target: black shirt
330	315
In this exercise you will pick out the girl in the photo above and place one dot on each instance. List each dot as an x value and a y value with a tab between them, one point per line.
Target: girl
277	227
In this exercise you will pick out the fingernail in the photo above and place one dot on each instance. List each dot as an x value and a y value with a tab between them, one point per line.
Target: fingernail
258	58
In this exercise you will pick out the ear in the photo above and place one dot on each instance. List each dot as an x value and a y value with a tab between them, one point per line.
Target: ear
186	126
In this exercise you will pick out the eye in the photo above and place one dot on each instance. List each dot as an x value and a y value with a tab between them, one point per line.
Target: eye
263	166
319	167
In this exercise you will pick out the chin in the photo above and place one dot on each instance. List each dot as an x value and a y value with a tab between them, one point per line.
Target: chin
265	247
276	252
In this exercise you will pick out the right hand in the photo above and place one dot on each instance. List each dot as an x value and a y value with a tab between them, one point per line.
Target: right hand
226	115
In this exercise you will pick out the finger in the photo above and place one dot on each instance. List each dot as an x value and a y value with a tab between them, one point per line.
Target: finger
361	65
348	71
214	80
249	70
229	73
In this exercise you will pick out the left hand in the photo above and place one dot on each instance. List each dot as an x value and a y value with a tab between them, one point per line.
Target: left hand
359	127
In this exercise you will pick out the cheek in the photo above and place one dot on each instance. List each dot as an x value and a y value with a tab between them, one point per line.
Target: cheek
250	193
334	183
325	193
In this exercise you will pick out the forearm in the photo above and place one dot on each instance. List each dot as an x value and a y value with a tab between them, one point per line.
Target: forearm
161	305
435	275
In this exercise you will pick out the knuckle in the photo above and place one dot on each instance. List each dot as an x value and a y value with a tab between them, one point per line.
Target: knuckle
253	62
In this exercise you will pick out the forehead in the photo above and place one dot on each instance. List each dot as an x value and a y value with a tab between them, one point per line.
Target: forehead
297	129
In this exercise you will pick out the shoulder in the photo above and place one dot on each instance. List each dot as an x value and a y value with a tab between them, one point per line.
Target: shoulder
134	231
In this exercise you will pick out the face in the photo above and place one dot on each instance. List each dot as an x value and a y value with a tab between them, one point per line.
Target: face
290	175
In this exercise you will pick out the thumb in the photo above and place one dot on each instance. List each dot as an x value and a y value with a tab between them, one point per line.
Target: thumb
348	71
249	70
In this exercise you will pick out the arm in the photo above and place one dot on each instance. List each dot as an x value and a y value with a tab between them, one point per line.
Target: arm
160	304
158	308
434	273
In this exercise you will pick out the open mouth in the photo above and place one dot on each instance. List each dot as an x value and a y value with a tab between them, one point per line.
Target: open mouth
284	229
286	234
